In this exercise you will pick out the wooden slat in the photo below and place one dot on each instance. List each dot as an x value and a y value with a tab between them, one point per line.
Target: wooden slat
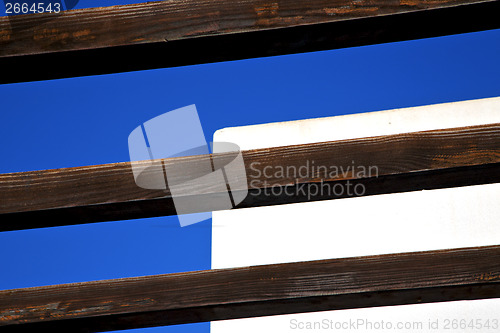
180	32
405	162
405	278
174	20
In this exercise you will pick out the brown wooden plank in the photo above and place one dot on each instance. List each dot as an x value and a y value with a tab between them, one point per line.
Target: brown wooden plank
404	162
405	278
180	32
174	20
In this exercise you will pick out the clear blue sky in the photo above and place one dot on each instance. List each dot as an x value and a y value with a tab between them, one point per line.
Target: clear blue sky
85	121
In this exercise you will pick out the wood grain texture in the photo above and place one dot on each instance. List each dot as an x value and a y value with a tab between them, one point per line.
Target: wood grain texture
181	32
179	19
404	162
405	278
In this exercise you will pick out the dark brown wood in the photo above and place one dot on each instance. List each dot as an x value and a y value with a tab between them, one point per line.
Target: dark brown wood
173	33
174	20
405	278
404	162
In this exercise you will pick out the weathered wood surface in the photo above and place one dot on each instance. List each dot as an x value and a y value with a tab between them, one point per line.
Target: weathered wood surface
180	32
173	20
404	162
405	278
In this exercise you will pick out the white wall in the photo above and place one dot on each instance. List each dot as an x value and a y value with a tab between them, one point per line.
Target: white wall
391	223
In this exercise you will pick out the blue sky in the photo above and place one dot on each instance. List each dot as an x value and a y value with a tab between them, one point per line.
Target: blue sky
86	121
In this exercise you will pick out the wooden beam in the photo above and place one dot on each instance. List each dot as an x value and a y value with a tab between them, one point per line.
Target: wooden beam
175	33
404	162
394	279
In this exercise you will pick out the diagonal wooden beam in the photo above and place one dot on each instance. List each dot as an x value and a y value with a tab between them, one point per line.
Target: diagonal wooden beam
394	279
403	162
174	33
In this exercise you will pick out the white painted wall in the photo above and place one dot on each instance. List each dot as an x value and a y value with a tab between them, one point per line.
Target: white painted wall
391	223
